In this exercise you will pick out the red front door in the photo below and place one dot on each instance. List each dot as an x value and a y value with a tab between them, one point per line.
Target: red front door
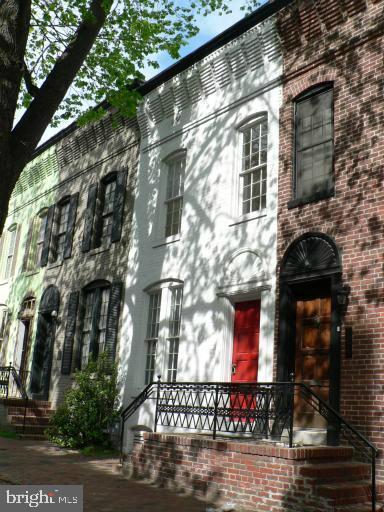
245	360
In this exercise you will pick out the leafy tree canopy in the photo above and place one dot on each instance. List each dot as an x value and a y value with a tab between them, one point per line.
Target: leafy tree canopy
133	33
59	58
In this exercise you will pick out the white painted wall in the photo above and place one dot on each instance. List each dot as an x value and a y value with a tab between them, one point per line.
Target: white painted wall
221	257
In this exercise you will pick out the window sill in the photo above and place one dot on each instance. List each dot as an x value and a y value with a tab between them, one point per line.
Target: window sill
166	241
55	264
314	198
249	216
98	250
4	281
29	273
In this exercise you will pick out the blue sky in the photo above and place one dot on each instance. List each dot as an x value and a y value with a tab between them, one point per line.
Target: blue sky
210	26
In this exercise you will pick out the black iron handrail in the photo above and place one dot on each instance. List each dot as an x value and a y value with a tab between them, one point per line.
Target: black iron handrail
8	376
263	410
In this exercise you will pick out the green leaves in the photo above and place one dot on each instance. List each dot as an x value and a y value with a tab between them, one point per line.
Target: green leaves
88	409
135	31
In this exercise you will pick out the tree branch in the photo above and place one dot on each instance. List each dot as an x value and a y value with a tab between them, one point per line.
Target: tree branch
31	87
30	128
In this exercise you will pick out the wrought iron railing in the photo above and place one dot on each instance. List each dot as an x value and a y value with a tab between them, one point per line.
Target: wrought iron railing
13	385
264	411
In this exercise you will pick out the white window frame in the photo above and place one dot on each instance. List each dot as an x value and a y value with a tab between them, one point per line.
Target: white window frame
164	201
241	128
8	254
3	321
162	359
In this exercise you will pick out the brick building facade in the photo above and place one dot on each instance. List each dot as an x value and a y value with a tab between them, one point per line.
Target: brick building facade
339	47
63	291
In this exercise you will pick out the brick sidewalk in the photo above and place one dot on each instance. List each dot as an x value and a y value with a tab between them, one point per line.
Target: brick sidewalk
105	490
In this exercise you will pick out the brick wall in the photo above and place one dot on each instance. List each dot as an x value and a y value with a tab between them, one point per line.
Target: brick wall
251	476
346	48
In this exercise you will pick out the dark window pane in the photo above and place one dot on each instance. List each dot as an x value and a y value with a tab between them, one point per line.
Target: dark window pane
314	144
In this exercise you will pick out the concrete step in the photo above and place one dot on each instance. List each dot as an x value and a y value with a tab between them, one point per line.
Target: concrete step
336	471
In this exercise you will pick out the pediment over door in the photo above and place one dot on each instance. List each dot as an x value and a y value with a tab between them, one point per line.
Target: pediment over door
244	273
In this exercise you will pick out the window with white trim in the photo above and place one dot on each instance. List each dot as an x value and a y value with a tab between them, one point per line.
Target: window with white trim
152	334
174	332
163	331
253	174
174	194
11	251
3	321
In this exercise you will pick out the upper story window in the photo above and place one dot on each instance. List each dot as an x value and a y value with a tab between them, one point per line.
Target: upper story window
41	226
9	243
58	226
254	165
104	214
314	144
163	331
3	321
61	228
35	241
10	255
106	217
174	194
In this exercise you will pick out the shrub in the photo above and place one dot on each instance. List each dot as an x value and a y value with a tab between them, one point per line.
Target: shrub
89	407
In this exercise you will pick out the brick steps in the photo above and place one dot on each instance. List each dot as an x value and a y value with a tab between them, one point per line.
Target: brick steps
30	420
37	416
346	485
336	471
359	508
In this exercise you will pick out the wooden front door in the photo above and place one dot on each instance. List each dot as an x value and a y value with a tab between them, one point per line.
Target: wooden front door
313	341
245	360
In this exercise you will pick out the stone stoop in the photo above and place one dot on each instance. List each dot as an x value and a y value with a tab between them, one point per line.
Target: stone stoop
345	485
36	419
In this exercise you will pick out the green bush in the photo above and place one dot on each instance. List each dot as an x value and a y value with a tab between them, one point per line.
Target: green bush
89	408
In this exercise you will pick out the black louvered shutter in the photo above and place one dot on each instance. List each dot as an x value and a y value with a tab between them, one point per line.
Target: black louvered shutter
27	249
70	329
89	218
118	207
47	236
113	320
71	225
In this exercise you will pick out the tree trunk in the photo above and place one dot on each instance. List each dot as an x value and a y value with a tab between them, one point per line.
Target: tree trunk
11	168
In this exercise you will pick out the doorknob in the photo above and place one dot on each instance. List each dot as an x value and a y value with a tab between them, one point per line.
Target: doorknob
233	369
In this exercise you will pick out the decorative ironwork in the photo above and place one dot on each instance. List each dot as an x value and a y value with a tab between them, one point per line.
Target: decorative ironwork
12	383
311	253
259	410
